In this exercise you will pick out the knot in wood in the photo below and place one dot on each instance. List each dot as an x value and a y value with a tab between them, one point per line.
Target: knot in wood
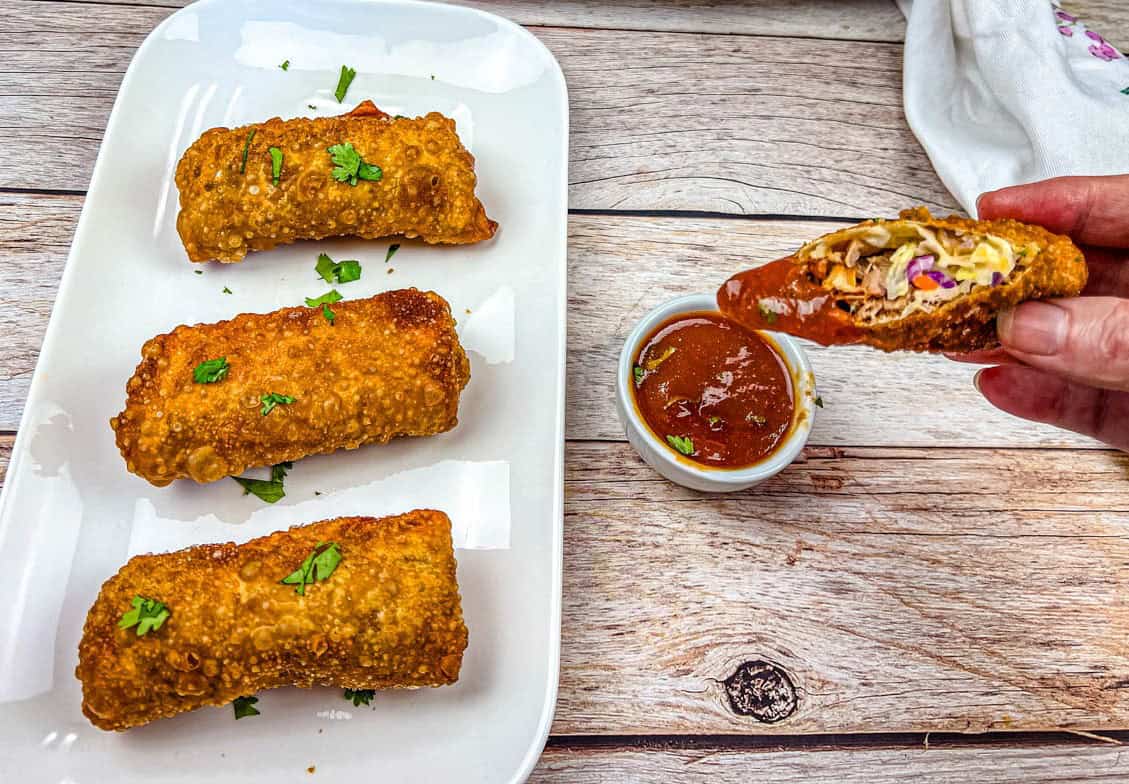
762	690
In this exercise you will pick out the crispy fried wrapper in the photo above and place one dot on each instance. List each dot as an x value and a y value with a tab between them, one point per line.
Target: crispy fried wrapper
230	203
387	366
388	616
917	283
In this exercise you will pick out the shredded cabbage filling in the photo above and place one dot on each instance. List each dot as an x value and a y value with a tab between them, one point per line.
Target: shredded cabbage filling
884	272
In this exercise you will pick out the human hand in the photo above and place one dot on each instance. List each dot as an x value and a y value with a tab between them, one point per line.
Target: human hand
1066	361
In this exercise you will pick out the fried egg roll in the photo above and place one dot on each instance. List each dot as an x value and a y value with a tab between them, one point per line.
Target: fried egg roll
271	183
387	615
917	283
280	386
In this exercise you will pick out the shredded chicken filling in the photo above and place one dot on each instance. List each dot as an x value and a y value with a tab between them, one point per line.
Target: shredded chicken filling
884	272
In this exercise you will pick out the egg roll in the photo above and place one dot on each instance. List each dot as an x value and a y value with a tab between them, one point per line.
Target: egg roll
915	283
275	182
291	383
388	615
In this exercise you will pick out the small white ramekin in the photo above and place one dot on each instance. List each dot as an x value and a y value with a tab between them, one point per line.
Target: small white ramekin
683	470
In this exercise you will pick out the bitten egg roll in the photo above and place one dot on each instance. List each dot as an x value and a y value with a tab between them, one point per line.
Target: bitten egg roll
363	174
210	400
384	612
915	283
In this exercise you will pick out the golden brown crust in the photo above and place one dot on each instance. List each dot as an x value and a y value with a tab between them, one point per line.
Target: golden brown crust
427	188
389	616
969	323
390	365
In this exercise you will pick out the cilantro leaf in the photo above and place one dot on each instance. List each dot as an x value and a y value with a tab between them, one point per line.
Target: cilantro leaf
275	164
360	696
285	65
270	492
278	472
210	371
246	147
272	400
328	297
347	161
369	171
682	444
147	615
311	106
226	290
347	271
349	166
328	314
318	565
343	82
640	374
199	272
395	246
244	707
324	267
340	272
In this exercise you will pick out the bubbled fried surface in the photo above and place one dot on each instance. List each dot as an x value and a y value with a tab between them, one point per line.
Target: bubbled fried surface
968	323
427	189
390	365
389	616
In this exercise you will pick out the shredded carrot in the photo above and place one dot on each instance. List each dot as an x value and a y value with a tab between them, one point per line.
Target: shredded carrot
925	283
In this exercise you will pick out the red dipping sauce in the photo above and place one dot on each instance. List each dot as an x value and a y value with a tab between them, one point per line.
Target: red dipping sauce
713	391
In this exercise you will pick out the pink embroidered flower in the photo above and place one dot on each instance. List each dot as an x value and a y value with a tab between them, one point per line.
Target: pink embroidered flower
1065	30
1101	49
1062	16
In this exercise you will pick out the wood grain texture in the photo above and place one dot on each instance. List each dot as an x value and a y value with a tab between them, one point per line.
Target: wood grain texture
900	590
732	124
1058	763
866	20
619	268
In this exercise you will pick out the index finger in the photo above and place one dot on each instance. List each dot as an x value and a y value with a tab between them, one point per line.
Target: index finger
1091	210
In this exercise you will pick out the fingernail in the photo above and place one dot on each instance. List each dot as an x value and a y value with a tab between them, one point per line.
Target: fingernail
976	381
1034	328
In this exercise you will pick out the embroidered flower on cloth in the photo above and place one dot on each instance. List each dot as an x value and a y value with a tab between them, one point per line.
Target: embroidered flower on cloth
1101	48
1065	22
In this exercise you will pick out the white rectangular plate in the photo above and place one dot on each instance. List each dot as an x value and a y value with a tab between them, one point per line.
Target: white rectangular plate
71	515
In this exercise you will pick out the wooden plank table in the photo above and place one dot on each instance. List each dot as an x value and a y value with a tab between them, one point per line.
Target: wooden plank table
931	573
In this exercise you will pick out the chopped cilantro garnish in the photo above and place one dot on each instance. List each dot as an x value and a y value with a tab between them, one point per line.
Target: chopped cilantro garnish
147	615
348	166
270	490
328	314
278	472
272	400
285	65
340	272
767	313
682	444
395	246
311	106
640	374
343	82
328	297
819	402
714	420
275	164
319	565
360	696
226	290
210	371
199	272
244	707
246	147
399	117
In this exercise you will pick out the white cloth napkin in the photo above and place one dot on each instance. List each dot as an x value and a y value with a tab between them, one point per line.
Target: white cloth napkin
1002	92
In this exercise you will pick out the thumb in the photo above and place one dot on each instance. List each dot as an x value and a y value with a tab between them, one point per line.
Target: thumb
1084	339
